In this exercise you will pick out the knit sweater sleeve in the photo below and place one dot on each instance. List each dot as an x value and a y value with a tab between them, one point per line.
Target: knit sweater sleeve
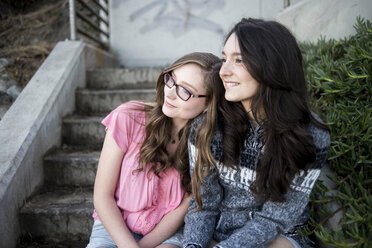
279	217
200	225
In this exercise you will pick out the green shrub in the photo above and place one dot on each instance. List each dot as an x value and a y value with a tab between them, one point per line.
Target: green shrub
339	79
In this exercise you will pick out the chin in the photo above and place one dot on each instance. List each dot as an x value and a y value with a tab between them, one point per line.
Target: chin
164	110
168	113
231	98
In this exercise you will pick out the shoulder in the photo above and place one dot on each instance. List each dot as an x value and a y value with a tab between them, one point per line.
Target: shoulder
197	121
127	114
196	124
131	107
194	127
321	137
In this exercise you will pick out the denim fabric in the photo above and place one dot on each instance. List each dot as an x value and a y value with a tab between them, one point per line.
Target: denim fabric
100	237
293	242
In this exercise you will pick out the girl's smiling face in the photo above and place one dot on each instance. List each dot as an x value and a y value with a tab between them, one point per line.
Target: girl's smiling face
240	86
191	77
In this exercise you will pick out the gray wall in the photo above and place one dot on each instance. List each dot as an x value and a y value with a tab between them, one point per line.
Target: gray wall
156	32
311	19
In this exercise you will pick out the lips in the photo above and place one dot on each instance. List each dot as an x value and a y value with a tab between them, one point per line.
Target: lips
229	84
168	104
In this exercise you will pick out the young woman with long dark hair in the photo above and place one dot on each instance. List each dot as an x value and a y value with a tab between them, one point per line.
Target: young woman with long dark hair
252	178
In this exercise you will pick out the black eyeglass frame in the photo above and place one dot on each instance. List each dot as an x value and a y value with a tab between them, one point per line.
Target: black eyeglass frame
170	78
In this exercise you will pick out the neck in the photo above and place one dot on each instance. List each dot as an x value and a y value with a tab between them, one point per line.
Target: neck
178	124
247	107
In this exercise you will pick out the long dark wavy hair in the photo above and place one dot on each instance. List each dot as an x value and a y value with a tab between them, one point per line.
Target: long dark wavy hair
153	149
281	106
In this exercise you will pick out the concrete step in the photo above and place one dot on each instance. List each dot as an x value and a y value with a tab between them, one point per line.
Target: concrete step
29	242
59	215
116	78
104	101
63	168
83	131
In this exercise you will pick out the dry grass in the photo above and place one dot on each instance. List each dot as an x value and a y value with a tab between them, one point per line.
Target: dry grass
25	60
28	39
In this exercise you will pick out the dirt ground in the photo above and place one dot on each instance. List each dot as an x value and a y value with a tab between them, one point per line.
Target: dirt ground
28	32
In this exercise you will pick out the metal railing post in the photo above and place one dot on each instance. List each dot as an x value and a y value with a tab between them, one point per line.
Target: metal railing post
102	25
286	3
94	28
72	20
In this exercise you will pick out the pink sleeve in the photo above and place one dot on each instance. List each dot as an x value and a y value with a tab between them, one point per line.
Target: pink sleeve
120	122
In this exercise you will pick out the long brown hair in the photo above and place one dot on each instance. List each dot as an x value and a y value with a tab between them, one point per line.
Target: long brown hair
205	160
271	55
153	149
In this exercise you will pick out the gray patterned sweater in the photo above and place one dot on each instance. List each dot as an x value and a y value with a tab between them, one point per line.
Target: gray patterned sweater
231	215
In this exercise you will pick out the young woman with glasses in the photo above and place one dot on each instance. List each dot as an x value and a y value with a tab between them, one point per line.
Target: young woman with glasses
142	187
252	179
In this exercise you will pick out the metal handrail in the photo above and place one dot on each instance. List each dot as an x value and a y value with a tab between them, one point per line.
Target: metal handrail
101	17
93	12
100	6
90	23
86	34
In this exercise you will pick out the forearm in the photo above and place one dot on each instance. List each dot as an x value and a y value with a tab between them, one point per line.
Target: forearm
168	225
199	225
104	190
112	220
271	220
253	234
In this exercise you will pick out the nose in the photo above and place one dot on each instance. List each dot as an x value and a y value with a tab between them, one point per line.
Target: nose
225	69
170	92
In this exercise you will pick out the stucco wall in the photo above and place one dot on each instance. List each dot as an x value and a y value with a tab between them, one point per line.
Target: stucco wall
310	19
156	32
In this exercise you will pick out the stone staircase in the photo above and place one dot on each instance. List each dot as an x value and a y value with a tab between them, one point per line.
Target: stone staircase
60	214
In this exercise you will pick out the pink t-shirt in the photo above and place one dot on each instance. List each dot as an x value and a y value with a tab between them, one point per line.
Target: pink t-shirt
142	198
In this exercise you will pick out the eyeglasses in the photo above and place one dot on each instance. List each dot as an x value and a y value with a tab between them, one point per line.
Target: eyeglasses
181	92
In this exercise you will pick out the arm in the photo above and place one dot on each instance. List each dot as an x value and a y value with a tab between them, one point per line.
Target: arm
200	225
274	218
104	190
277	217
168	225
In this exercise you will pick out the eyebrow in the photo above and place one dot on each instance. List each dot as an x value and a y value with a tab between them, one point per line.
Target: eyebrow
184	82
233	54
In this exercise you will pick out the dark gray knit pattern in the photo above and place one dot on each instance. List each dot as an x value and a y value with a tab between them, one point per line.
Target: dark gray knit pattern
231	215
